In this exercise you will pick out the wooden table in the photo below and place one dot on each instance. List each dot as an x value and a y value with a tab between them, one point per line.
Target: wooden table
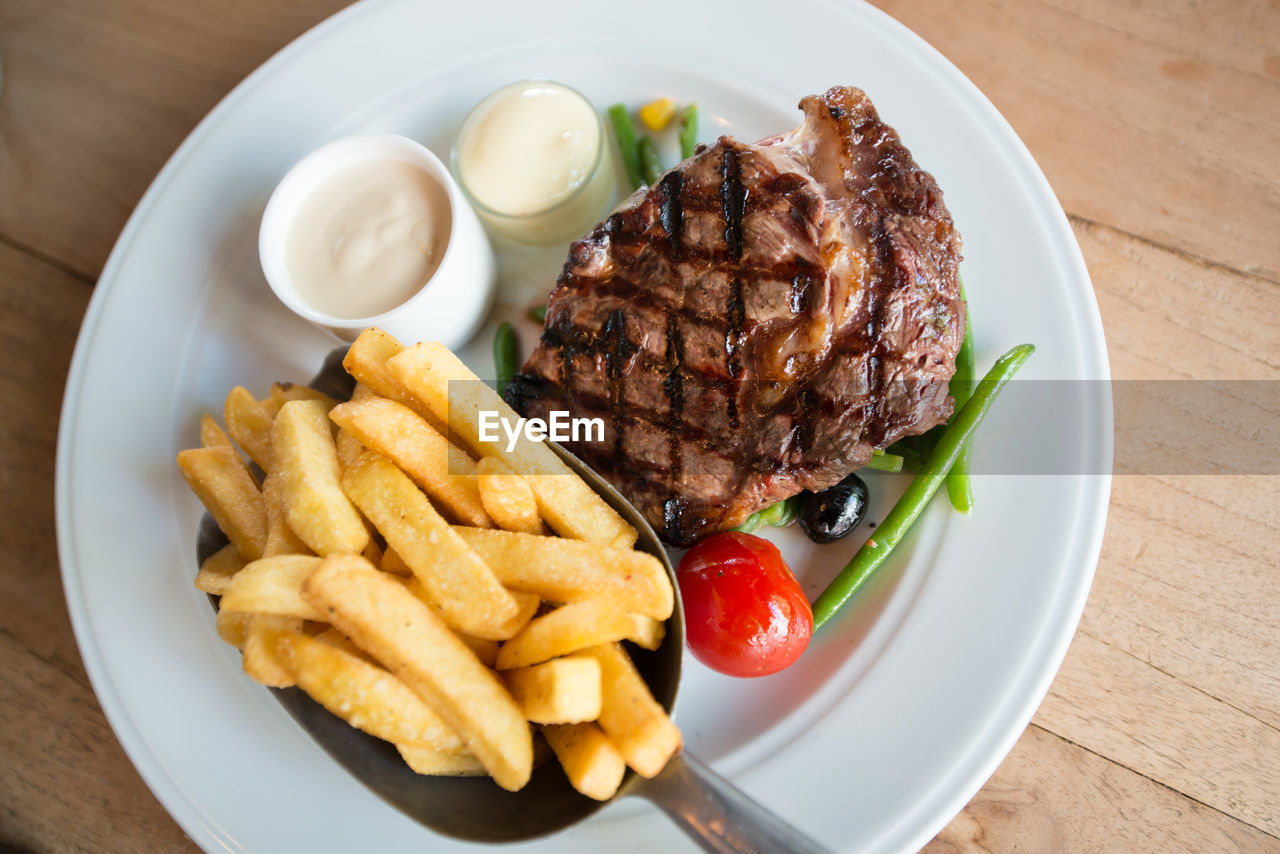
1158	123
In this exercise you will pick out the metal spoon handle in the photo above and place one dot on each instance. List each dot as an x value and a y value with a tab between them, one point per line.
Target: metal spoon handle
718	816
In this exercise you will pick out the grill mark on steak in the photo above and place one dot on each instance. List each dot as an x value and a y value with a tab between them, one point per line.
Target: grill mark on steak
615	347
674	388
673	385
756	322
627	289
672	210
733	200
736	311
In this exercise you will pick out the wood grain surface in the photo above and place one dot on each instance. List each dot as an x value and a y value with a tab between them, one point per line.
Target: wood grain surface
1157	123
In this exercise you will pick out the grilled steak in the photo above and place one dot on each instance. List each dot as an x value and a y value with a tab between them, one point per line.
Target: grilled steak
757	322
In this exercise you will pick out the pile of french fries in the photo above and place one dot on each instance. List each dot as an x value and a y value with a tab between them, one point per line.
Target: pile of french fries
401	572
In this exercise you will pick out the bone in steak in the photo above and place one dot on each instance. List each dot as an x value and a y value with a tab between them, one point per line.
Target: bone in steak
757	322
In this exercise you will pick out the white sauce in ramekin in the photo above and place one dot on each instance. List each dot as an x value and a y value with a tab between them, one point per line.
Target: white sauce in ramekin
367	237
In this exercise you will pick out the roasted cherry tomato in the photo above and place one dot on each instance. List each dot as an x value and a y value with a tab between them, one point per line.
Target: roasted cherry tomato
745	614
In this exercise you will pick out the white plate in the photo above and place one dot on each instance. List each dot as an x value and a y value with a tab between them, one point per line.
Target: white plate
901	708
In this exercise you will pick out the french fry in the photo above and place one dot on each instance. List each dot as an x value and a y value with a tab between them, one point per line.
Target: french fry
590	761
348	448
430	762
307	463
273	586
281	540
233	626
571	507
646	632
362	693
218	569
567	629
527	605
260	656
212	435
392	625
337	639
629	715
219	479
541	750
282	393
394	564
395	431
467	593
249	423
373	552
507	497
366	360
486	650
561	570
561	691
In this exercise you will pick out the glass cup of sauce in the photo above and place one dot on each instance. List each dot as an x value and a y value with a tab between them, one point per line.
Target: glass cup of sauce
371	230
534	161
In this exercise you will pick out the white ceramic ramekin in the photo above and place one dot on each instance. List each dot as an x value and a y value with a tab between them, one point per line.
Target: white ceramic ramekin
448	308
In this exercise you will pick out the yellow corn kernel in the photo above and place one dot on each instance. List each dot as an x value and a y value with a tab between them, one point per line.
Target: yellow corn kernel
657	114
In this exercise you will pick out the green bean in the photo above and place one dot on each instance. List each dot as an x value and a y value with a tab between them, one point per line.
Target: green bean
929	439
769	515
625	132
906	449
882	461
959	485
506	355
650	163
777	515
538	314
789	511
688	131
922	488
781	513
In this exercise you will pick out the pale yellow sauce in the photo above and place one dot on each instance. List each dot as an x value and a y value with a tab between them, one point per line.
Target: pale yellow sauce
368	238
528	147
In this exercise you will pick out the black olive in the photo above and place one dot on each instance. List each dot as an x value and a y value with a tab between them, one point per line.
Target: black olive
828	515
